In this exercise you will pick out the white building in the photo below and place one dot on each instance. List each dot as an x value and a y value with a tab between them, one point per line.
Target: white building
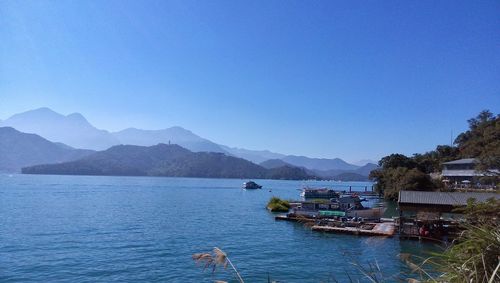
463	171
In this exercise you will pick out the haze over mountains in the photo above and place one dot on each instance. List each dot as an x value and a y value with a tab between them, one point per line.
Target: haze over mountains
356	174
175	135
19	149
75	131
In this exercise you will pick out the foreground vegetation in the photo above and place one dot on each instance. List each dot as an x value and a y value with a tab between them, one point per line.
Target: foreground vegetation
481	141
214	259
475	255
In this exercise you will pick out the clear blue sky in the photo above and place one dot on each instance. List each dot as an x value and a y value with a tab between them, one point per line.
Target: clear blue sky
316	78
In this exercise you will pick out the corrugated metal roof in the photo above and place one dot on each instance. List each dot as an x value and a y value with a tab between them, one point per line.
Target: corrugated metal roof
443	198
461	161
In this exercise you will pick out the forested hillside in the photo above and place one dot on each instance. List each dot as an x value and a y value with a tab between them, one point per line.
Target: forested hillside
165	160
480	141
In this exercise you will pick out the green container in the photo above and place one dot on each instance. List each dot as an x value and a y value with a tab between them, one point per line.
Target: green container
331	213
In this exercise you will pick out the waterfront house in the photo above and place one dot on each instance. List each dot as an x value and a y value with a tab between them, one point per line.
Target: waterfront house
462	172
350	202
431	215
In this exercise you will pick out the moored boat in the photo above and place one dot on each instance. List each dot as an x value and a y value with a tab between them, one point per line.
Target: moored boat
251	185
319	193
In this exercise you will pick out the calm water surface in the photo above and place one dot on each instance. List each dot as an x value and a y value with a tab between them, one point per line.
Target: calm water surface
131	229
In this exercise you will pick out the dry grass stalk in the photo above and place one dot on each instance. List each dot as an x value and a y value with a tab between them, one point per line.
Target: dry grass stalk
214	259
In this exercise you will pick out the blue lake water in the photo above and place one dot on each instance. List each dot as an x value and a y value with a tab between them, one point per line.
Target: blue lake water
141	229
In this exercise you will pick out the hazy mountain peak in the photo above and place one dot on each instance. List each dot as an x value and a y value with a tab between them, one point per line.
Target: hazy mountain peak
19	149
43	112
171	129
77	117
363	162
367	168
274	163
316	158
178	128
319	163
73	129
256	156
132	130
174	135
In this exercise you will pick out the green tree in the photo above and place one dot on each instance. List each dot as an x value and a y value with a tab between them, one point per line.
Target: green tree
432	161
447	153
391	180
482	140
396	160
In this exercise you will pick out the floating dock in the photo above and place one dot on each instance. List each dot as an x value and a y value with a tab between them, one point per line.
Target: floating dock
385	229
379	229
295	219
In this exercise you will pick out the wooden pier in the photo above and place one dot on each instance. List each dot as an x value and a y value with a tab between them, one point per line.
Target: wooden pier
385	229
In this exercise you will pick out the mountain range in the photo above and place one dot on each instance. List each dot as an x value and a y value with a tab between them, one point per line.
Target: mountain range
76	132
19	149
356	174
176	135
73	129
165	160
